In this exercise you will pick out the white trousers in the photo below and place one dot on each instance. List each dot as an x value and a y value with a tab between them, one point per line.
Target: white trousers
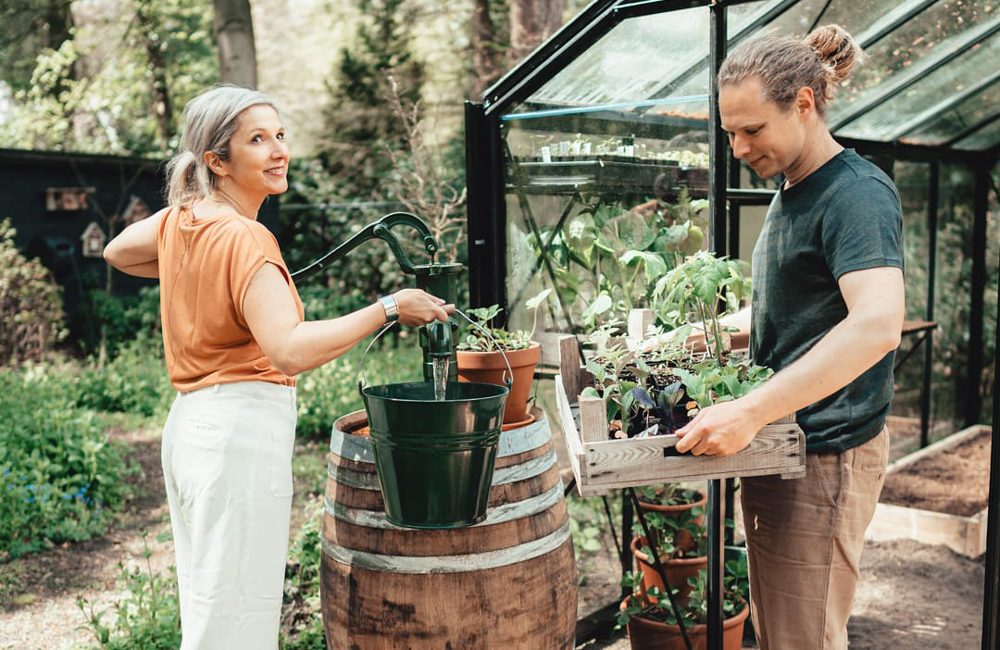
227	464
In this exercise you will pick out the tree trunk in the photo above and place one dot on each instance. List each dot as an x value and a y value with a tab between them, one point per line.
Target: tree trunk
161	103
234	36
486	50
531	22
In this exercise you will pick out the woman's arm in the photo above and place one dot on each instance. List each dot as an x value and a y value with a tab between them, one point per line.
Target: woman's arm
872	329
294	346
134	251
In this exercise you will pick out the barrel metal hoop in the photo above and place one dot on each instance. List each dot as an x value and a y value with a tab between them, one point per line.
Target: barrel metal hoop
501	475
448	563
513	442
495	515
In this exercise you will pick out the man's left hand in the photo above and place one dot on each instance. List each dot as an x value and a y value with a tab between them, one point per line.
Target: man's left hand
719	430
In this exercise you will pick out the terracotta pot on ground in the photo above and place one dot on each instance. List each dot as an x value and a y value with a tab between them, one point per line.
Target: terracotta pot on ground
489	368
678	570
646	634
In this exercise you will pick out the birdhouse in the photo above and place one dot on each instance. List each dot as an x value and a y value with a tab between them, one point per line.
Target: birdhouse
136	210
66	199
93	239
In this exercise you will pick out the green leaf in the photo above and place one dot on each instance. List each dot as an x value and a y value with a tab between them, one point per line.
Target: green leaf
533	303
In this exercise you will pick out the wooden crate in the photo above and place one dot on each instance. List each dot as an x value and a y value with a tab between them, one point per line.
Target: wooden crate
601	465
964	535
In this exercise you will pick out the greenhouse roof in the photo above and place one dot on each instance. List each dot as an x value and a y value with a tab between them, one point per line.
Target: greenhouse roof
931	78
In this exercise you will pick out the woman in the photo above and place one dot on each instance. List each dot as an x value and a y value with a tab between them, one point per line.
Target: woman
826	313
234	338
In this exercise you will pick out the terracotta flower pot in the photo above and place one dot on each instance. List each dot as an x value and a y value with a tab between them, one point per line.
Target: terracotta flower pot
489	368
684	542
678	570
646	634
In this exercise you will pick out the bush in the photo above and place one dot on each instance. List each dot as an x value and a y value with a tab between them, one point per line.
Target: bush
135	381
60	475
31	316
125	318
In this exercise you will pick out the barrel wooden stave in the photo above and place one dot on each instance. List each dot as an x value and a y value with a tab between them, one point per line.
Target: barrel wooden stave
509	582
464	611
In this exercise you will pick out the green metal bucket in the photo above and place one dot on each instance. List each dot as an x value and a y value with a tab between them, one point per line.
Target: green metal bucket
435	458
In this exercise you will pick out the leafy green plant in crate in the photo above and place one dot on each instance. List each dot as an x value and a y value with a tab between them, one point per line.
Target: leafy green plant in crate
657	385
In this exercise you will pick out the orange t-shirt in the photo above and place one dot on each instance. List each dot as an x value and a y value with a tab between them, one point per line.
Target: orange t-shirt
205	268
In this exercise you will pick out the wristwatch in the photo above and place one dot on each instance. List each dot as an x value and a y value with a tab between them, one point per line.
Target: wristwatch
390	307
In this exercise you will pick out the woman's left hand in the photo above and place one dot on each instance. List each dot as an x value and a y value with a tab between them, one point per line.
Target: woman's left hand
719	430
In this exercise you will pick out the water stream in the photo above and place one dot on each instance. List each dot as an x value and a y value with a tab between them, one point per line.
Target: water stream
440	377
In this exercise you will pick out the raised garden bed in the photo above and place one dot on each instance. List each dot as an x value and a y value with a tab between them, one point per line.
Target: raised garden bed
938	495
601	465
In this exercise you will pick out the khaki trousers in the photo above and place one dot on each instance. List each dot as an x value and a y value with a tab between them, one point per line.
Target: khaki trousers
804	542
227	464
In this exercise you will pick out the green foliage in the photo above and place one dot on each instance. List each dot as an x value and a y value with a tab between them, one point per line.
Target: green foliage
691	291
125	318
135	381
607	259
357	117
482	336
116	83
302	618
60	476
655	604
31	316
147	617
311	229
331	391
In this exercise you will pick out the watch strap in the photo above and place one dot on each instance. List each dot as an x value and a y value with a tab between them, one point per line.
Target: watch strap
391	308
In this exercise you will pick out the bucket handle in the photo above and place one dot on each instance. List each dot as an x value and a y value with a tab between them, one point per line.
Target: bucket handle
364	358
508	376
508	379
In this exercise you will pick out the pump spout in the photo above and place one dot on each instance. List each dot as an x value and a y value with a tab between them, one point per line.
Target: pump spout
439	339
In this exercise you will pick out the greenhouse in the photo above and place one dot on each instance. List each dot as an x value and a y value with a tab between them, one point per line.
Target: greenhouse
614	115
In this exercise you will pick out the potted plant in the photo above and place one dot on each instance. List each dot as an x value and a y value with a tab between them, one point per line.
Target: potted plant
653	624
676	520
481	358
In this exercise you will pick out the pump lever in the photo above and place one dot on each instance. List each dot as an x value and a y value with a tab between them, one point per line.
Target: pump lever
379	229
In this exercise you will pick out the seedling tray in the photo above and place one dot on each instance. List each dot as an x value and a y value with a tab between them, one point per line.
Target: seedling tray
601	465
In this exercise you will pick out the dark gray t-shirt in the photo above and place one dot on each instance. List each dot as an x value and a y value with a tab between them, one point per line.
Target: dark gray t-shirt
843	217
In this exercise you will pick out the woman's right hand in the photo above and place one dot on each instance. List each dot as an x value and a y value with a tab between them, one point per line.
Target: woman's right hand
417	307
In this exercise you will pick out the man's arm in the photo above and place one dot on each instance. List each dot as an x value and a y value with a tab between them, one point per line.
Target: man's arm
875	304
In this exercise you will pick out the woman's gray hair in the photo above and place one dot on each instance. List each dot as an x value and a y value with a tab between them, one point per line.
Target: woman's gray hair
209	124
784	64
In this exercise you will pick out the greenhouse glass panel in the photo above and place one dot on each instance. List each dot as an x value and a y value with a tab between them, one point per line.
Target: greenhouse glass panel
929	95
602	195
985	138
905	53
631	61
795	19
959	119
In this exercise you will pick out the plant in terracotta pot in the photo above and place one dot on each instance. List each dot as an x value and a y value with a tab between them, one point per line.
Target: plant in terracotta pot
481	358
676	520
653	624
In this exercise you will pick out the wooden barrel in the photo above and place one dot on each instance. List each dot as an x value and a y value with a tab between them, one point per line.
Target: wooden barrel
508	582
